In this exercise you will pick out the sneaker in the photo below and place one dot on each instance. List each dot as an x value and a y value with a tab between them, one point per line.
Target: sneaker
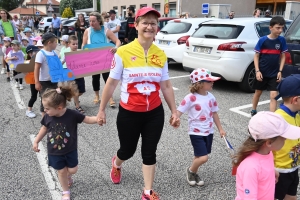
153	196
190	177
253	112
21	87
198	180
30	114
17	84
3	71
115	173
8	79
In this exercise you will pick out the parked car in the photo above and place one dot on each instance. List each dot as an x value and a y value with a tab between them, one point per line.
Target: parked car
173	36
65	27
122	31
44	24
225	47
162	21
292	56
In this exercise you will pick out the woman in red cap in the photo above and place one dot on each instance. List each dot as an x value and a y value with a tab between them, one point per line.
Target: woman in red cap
142	69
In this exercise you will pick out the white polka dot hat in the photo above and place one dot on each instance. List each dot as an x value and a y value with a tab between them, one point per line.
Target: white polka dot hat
202	74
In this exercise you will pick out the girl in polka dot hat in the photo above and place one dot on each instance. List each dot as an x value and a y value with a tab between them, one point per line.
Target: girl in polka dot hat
202	108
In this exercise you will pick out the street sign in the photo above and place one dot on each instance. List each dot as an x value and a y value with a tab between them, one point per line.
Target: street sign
37	13
205	8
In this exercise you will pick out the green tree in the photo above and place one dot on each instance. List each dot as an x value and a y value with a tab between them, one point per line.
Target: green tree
67	13
10	4
74	5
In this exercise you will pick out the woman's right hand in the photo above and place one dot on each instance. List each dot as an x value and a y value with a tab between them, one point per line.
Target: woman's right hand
38	86
101	118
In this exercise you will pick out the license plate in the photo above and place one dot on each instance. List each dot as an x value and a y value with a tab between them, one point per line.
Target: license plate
164	42
206	50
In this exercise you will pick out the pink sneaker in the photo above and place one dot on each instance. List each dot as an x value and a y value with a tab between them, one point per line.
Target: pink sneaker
153	196
115	173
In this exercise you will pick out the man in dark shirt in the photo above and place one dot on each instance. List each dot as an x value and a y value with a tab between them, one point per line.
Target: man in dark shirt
267	15
130	33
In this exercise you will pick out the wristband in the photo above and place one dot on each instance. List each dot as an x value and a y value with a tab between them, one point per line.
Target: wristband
257	71
280	71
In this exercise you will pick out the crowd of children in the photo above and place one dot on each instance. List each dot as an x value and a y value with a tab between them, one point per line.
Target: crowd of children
267	162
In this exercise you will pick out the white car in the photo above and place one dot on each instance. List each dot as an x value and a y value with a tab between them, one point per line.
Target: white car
45	23
173	36
226	48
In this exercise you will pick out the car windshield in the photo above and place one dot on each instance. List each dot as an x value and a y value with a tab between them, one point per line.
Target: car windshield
293	34
218	31
176	28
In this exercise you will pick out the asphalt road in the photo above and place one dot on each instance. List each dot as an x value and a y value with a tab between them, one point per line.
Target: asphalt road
25	175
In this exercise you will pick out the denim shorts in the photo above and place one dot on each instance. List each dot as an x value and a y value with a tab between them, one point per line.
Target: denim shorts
59	162
202	144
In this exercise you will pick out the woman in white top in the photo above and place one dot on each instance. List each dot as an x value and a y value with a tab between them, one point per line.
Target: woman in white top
16	21
98	34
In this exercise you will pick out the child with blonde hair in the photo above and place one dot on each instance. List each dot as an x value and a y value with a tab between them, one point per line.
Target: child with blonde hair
202	109
256	175
60	125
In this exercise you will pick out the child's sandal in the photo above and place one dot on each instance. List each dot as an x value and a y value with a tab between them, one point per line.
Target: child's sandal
70	181
66	198
79	109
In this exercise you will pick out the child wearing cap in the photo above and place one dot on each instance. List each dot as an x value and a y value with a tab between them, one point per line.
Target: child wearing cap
5	49
287	159
25	42
31	50
41	69
36	39
64	49
39	44
202	109
28	35
256	176
15	49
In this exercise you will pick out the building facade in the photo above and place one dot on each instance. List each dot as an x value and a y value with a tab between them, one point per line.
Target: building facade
242	8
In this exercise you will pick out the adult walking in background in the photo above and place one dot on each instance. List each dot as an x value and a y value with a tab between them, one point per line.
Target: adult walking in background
56	26
130	33
24	22
140	112
7	29
97	33
80	27
256	13
268	14
16	21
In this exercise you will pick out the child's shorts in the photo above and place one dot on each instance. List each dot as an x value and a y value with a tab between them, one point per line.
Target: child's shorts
7	67
287	184
81	85
268	84
69	160
202	144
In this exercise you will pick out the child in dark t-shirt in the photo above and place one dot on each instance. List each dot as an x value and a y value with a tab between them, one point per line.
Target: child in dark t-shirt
60	126
269	60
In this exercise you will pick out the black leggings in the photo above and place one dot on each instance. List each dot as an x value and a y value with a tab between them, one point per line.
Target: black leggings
96	80
33	97
20	80
132	125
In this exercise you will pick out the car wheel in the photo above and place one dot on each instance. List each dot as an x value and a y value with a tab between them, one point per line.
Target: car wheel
247	83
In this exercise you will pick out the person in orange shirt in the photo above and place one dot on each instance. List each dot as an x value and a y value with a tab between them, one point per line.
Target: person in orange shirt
31	50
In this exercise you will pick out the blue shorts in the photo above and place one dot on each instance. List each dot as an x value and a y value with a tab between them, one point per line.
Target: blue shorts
202	144
59	162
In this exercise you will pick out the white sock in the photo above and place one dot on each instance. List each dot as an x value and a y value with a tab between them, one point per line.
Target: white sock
115	165
147	192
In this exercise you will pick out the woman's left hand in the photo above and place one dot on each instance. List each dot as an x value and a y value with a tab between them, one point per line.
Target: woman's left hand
114	50
174	120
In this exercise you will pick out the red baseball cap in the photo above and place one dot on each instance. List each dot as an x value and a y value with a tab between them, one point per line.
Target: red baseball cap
145	10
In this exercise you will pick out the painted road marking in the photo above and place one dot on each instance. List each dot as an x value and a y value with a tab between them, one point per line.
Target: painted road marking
179	76
239	108
48	172
19	101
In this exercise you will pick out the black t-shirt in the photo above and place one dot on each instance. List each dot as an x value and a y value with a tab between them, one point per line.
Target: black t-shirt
130	32
62	132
